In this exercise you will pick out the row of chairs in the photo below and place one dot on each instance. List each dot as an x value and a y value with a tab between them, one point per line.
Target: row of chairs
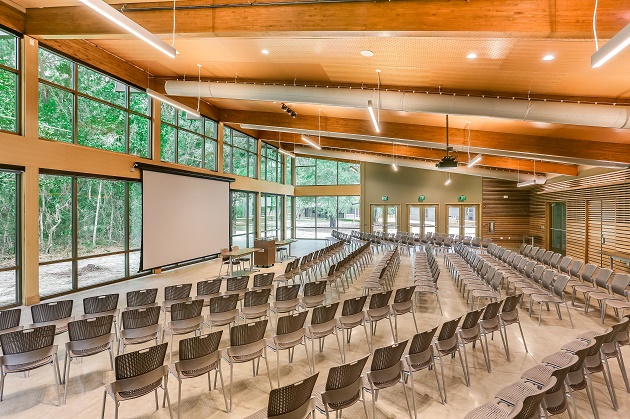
349	268
383	273
306	268
548	388
337	236
426	272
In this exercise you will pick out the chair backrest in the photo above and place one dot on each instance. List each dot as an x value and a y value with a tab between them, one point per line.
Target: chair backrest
90	328
291	323
331	270
48	312
237	283
199	346
531	404
10	318
287	292
100	303
346	374
247	333
380	299
547	278
588	272
547	257
223	303
291	398
141	297
387	356
140	362
472	319
404	294
177	292
323	314
266	279
555	259
256	297
186	310
510	303
312	289
574	268
538	272
492	310
353	305
209	286
140	317
422	341
616	328
529	268
448	329
561	282
564	264
602	277
223	252
620	284
27	340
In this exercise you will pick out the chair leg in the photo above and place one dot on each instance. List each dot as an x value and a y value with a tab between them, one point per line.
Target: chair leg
232	376
179	397
103	408
413	395
464	361
223	389
591	395
622	367
66	372
609	383
168	399
568	311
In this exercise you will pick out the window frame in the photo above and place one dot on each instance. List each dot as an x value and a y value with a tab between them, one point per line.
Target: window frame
318	181
316	217
17	71
17	268
264	163
229	144
250	197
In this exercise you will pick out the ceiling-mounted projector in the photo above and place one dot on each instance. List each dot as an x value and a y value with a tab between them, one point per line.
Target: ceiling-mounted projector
448	161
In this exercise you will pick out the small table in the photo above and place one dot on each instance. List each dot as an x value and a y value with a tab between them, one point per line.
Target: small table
624	257
239	253
287	243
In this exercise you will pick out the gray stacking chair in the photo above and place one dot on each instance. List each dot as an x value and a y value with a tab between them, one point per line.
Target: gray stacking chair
247	343
447	344
508	316
403	304
237	285
208	289
199	355
323	323
139	326
286	300
379	309
290	332
137	374
264	280
352	315
141	298
600	284
314	294
555	260
58	313
223	311
26	350
102	305
421	356
88	337
10	320
343	388
556	298
294	401
186	318
470	332
387	370
255	304
585	280
174	294
528	408
618	289
563	266
490	323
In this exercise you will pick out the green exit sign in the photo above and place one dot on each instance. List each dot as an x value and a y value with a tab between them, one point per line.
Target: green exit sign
384	198
421	198
462	198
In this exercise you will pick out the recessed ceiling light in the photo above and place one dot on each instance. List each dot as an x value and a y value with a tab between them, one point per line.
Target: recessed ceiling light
471	56
265	51
367	53
549	57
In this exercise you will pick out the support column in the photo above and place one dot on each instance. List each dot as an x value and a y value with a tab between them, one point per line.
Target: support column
30	235
30	80
219	157
156	115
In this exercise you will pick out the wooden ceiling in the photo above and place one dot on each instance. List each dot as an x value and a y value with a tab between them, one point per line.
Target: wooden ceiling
417	45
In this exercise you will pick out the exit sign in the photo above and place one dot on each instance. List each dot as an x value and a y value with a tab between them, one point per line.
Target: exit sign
384	198
462	198
421	198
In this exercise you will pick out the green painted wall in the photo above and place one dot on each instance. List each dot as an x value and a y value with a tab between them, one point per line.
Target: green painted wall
404	187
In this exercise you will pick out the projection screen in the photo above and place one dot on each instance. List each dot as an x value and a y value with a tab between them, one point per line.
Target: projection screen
183	218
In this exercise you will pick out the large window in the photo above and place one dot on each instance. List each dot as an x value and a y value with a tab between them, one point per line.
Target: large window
271	163
310	171
289	210
318	216
240	153
463	220
558	227
271	216
9	255
243	218
288	175
9	82
89	232
187	140
82	106
422	218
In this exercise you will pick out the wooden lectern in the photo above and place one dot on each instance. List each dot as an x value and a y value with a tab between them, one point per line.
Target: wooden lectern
267	256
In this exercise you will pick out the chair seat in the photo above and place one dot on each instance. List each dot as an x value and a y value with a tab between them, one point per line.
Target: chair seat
91	351
539	374
243	358
29	365
516	392
489	411
278	346
599	295
133	394
583	288
617	303
546	298
140	339
197	372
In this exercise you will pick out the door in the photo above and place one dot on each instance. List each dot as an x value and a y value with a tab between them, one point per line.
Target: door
384	218
462	220
558	227
378	223
421	218
594	237
392	219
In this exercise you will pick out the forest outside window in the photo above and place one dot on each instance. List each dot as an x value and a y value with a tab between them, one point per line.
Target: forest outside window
187	140
9	239
82	106
271	215
271	163
243	218
240	153
288	176
9	82
311	171
317	216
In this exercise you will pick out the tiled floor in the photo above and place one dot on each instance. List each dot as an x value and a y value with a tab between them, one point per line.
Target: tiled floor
35	396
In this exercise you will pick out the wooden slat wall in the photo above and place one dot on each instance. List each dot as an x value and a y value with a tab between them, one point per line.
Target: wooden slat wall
510	215
595	205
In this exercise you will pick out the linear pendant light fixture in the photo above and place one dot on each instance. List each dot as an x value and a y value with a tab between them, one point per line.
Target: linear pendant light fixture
130	26
530	182
166	99
610	48
448	179
309	142
373	116
286	153
394	165
376	116
478	157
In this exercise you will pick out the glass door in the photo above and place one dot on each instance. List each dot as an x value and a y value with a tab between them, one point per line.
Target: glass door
392	219
454	218
378	223
558	227
421	219
470	220
430	219
414	224
463	220
384	218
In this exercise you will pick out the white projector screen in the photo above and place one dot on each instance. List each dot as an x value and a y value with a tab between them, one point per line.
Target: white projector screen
183	218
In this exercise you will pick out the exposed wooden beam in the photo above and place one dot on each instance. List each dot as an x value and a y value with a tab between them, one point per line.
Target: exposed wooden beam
513	18
550	146
12	18
423	153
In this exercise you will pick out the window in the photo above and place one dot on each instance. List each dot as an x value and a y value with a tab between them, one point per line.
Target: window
558	227
243	218
271	163
271	215
9	82
289	206
82	106
187	140
239	153
310	171
9	228
317	216
422	219
463	220
89	232
288	176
